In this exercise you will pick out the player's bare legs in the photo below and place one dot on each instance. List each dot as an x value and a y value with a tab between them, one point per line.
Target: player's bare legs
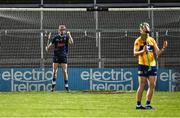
142	82
151	83
64	70
55	69
65	75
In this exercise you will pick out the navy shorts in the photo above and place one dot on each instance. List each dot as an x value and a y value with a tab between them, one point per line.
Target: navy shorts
144	70
60	60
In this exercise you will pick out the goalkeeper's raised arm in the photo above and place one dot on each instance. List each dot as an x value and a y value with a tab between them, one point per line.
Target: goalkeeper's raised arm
70	38
49	42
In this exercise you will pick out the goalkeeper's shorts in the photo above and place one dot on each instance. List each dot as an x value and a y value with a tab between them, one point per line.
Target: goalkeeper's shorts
145	71
60	60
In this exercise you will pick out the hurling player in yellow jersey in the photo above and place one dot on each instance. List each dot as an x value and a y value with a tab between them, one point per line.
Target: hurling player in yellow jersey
146	50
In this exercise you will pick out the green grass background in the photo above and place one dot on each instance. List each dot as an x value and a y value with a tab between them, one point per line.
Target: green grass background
81	104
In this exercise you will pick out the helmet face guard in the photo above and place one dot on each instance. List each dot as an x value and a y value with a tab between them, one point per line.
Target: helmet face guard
144	28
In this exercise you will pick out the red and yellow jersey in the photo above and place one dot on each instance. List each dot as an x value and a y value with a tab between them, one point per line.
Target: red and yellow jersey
142	58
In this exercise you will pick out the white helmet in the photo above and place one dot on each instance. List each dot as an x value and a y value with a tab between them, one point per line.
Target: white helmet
144	27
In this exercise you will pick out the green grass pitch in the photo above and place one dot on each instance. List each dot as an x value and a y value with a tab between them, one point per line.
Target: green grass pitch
85	104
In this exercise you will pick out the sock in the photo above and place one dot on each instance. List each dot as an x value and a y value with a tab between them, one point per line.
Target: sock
148	103
66	83
138	104
53	83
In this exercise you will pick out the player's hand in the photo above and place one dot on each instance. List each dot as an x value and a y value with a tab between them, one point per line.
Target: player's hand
49	36
47	49
165	44
68	32
145	48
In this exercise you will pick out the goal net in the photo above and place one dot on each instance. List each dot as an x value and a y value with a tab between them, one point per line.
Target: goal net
102	39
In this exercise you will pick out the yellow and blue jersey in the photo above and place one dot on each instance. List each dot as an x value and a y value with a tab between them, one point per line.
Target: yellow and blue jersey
145	63
142	59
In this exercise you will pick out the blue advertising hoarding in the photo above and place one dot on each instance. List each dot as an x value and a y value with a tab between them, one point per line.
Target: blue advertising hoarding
124	79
